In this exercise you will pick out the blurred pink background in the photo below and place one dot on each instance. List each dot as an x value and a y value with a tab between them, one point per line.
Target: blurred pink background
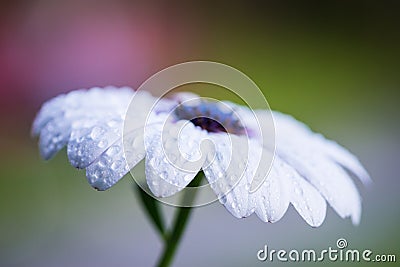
51	47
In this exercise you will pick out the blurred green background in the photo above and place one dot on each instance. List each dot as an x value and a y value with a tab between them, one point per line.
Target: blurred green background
331	64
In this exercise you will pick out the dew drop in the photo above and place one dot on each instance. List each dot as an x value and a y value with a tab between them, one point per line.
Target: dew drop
297	190
96	132
102	143
163	174
187	177
112	123
223	199
300	210
96	174
102	162
112	151
247	187
239	206
152	162
55	139
115	165
104	180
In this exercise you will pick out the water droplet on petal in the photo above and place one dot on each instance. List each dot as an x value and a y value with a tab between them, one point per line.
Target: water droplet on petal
112	123
297	190
115	165
187	177
223	199
247	187
102	143
102	162
96	132
97	174
163	174
112	151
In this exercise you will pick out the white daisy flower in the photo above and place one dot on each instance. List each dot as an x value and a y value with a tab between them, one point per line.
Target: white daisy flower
307	170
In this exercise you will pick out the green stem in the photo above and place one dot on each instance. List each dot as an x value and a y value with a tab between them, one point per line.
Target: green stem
181	218
152	208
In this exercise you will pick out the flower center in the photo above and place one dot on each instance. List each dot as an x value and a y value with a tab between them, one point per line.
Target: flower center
210	116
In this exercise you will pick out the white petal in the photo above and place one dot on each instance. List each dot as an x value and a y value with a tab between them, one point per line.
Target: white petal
342	156
290	130
116	161
304	197
90	138
51	109
271	200
173	157
330	180
108	169
90	122
284	185
53	137
55	120
230	170
307	201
